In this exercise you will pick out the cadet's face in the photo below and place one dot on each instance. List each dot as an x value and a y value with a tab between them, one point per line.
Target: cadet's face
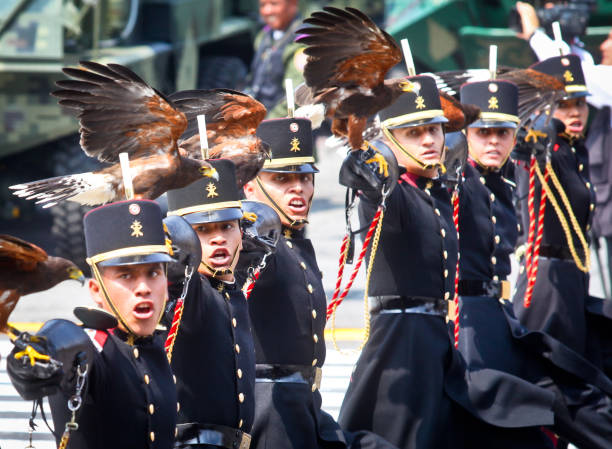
423	142
139	293
490	146
220	241
292	192
277	14
574	114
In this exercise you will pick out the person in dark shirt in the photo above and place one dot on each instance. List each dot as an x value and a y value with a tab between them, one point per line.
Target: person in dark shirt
209	343
114	362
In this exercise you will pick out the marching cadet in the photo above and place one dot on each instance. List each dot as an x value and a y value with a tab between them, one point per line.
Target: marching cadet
552	289
400	388
287	305
108	381
490	337
209	343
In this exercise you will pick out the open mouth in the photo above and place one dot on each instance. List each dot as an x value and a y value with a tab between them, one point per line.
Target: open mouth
143	310
298	206
430	155
220	258
575	126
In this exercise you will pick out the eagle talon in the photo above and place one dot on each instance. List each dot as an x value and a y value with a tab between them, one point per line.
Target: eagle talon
383	165
32	354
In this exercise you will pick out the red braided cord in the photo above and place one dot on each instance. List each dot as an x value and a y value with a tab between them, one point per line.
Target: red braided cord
456	296
341	263
251	285
178	313
337	300
530	208
533	272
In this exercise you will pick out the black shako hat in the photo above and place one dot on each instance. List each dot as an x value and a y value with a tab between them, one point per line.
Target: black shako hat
569	70
208	200
418	105
290	141
126	233
497	100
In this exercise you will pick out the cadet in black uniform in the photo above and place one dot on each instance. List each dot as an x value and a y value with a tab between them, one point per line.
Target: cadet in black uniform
128	394
490	336
288	305
560	302
211	349
401	386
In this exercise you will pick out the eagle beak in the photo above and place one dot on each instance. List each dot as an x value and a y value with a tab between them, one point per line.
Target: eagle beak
210	172
78	275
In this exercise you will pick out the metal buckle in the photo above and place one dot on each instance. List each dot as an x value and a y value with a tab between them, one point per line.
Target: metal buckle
505	290
245	441
316	385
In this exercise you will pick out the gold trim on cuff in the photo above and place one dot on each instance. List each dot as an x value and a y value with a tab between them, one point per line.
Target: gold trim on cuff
125	252
406	118
205	208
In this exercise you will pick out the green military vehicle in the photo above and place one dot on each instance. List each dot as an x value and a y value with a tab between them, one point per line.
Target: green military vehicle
172	44
456	34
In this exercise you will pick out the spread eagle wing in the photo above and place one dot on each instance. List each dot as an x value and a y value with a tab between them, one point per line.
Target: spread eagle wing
19	255
118	112
346	48
538	91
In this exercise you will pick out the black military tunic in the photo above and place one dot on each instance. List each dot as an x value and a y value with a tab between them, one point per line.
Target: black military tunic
558	305
130	399
213	360
287	307
398	387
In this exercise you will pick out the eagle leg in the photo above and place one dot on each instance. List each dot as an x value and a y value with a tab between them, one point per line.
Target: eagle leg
356	126
8	301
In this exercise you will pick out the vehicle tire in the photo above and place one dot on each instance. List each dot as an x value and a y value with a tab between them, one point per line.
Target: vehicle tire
221	72
67	216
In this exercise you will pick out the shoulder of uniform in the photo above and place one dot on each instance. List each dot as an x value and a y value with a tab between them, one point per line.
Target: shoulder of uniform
96	319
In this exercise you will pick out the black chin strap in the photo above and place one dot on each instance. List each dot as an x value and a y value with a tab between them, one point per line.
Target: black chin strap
277	208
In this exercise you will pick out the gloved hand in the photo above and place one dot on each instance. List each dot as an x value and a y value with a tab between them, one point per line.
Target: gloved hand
372	169
537	139
455	156
186	248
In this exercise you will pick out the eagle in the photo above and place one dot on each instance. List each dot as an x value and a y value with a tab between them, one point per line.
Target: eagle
538	92
118	112
232	118
25	268
348	59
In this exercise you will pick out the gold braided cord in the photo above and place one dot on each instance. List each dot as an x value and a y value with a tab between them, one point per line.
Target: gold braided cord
366	303
585	267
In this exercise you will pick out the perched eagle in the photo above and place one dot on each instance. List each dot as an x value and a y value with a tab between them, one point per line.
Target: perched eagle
232	118
538	92
118	112
25	268
348	58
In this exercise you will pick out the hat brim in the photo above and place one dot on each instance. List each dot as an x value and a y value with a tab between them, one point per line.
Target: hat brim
213	216
578	94
480	123
421	122
136	260
302	168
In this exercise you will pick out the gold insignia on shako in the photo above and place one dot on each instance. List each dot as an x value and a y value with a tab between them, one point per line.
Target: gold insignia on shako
493	88
294	127
567	75
134	209
212	190
493	103
287	233
420	102
295	145
136	228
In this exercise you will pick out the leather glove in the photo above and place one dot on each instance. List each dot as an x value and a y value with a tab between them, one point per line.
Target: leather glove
455	156
186	249
372	169
537	139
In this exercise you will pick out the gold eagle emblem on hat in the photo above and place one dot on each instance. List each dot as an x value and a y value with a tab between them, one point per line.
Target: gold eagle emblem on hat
136	228
295	145
493	103
567	75
420	102
211	190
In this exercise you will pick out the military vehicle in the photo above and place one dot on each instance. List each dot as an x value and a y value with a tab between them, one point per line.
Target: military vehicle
173	45
456	34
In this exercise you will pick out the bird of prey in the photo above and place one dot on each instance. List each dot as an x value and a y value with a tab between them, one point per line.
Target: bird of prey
118	112
232	118
348	58
538	92
25	268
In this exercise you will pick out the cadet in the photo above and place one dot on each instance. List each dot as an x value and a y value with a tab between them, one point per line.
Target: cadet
113	363
557	289
211	349
288	305
490	337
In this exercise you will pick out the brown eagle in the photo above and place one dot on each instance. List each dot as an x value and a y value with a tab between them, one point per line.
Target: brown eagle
25	268
118	112
232	118
348	58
